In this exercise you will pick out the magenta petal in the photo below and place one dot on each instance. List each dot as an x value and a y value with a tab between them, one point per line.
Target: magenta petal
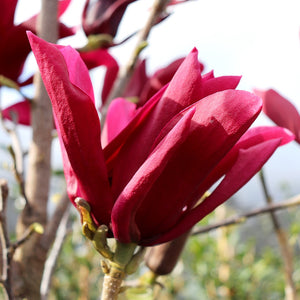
78	72
280	111
251	138
183	90
101	57
119	114
247	164
123	214
137	81
159	79
62	6
21	111
213	85
215	128
77	125
112	149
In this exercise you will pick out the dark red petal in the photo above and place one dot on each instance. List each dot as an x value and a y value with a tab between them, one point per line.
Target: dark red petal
123	214
183	90
77	124
7	14
280	111
218	122
248	163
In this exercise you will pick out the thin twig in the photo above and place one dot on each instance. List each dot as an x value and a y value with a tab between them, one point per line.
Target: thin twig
290	289
18	169
17	154
243	217
53	256
33	228
126	73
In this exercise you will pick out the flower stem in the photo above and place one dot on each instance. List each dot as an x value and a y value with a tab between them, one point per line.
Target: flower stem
112	284
116	270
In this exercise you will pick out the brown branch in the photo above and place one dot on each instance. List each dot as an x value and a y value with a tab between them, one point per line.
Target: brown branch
243	217
126	73
34	227
18	169
17	154
290	289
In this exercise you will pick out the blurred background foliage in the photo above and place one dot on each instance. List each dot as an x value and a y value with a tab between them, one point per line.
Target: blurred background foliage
235	262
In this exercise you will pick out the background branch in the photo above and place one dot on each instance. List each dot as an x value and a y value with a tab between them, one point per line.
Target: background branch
126	73
290	288
50	264
243	217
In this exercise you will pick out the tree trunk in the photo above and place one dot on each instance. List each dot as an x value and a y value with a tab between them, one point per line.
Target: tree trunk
29	259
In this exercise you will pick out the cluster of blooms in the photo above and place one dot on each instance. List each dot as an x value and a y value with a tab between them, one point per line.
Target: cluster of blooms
145	175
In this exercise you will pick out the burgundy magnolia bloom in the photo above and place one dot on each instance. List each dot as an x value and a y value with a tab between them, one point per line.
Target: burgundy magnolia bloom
281	111
14	47
145	185
103	16
144	87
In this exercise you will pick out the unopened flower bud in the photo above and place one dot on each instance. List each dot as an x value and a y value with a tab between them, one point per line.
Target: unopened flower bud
163	258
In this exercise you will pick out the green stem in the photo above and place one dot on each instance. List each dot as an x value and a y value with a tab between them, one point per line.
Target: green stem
115	272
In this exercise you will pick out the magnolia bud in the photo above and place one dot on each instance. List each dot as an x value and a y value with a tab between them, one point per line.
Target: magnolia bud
163	258
103	16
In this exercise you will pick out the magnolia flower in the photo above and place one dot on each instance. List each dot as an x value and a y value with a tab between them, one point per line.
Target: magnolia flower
146	184
143	87
14	47
281	111
103	16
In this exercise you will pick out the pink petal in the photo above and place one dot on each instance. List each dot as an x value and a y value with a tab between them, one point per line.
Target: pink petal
119	114
213	85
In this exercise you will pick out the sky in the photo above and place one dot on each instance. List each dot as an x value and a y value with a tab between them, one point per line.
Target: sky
258	39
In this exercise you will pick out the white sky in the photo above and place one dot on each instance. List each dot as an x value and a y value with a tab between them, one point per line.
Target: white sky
258	39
